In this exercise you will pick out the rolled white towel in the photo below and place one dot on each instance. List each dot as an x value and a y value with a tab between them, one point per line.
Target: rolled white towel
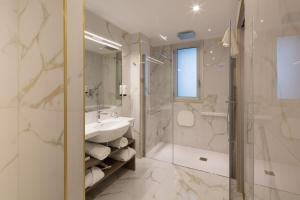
119	143
98	151
93	175
124	154
88	179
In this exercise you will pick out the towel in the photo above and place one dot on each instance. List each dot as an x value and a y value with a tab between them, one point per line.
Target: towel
226	41
119	143
92	176
124	154
97	151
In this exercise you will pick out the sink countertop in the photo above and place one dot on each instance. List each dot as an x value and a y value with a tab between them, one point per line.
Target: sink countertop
89	133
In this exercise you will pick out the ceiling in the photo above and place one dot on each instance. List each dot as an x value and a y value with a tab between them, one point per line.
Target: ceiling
167	17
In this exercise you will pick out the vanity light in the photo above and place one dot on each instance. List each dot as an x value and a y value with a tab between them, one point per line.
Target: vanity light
196	8
164	37
100	40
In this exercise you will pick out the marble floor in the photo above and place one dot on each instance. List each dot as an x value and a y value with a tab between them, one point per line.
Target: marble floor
217	163
157	180
286	177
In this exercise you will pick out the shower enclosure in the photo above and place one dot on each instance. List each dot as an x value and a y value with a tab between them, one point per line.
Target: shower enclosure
188	132
203	133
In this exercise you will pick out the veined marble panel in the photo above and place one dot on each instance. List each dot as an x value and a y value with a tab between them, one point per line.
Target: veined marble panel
41	90
9	157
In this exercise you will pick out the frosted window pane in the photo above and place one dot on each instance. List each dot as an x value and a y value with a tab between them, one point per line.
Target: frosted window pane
187	72
288	67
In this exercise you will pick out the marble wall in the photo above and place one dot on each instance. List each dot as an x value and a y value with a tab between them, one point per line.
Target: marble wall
41	99
208	132
31	105
273	122
32	102
9	154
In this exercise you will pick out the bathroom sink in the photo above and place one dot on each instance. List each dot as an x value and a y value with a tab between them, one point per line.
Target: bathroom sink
106	130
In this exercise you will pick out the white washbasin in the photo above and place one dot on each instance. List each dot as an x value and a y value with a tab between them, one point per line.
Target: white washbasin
106	130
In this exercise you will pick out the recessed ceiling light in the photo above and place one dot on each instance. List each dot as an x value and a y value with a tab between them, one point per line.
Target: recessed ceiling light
209	30
164	37
196	8
262	21
211	51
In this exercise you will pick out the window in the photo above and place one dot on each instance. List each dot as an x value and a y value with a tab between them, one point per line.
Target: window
187	73
288	68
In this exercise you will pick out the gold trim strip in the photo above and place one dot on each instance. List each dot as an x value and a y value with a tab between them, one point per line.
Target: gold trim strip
65	104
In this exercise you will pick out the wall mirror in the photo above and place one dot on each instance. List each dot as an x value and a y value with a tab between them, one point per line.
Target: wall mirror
103	73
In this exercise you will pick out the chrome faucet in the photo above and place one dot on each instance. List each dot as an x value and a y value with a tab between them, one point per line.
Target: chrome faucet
98	114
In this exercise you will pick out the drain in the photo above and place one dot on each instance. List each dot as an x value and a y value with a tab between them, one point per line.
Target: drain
203	159
269	173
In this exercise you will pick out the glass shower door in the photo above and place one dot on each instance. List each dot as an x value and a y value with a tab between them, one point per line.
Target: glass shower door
158	104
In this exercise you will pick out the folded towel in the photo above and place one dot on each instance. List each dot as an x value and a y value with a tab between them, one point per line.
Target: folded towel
124	154
98	151
119	143
92	176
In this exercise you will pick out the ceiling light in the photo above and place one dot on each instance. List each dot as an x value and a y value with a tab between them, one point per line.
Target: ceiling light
209	30
196	8
101	40
211	51
262	21
164	37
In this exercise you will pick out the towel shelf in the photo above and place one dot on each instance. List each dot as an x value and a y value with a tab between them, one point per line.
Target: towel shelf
95	162
115	165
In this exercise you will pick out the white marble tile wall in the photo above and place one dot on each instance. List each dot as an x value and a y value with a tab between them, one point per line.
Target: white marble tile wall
32	101
9	154
275	122
208	132
41	100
